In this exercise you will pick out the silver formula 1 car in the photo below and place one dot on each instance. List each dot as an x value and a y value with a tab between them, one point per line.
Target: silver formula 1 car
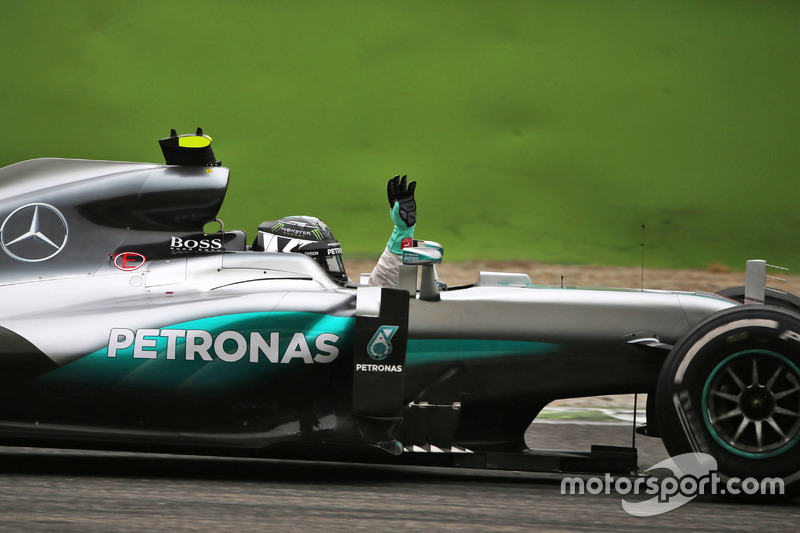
125	326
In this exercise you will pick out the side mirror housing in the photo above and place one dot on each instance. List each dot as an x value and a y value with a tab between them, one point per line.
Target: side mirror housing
424	256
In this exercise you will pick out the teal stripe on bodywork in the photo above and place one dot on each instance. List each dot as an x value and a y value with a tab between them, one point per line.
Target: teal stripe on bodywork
427	351
97	369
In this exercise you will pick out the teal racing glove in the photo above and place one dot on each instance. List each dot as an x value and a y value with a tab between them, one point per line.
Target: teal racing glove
403	211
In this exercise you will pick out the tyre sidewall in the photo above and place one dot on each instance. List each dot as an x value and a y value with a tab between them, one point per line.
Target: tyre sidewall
684	378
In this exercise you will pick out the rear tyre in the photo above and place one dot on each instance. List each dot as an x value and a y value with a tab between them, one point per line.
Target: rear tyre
731	388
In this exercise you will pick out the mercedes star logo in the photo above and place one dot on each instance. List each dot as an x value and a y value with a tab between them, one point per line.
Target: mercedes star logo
34	232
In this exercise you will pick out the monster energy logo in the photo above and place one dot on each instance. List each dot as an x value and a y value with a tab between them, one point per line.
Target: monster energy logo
281	228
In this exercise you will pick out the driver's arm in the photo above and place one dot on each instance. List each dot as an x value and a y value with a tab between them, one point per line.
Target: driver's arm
403	210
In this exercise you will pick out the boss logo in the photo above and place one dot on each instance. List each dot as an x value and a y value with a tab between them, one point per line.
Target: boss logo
180	244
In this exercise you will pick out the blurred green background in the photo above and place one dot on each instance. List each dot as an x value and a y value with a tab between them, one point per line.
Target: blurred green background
545	130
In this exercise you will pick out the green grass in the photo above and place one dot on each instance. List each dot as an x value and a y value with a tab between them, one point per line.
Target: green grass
537	129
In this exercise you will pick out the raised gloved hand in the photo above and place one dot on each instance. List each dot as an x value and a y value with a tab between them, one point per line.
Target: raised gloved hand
403	211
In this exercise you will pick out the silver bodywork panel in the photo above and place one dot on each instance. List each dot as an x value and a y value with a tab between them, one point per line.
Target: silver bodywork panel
553	314
124	321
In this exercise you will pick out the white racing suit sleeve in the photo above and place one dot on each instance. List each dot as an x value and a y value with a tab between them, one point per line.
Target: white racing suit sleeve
387	272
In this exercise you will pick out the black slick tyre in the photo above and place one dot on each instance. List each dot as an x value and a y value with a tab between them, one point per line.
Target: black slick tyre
771	297
731	389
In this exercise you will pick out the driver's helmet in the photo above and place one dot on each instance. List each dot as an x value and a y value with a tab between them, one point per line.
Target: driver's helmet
303	235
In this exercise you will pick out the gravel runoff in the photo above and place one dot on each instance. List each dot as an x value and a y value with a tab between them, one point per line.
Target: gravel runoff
714	279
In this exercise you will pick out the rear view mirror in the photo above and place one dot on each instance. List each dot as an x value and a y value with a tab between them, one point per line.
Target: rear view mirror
422	256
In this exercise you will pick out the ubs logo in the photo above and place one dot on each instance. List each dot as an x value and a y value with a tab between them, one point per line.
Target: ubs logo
34	232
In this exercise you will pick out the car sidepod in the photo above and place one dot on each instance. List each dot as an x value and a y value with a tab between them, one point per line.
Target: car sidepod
233	368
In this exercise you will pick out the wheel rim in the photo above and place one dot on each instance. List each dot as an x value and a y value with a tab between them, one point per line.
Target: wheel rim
751	403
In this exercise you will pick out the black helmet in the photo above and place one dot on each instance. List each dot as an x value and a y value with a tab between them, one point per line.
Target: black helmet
303	235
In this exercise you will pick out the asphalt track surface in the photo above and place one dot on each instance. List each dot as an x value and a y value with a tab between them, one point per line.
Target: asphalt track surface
54	490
